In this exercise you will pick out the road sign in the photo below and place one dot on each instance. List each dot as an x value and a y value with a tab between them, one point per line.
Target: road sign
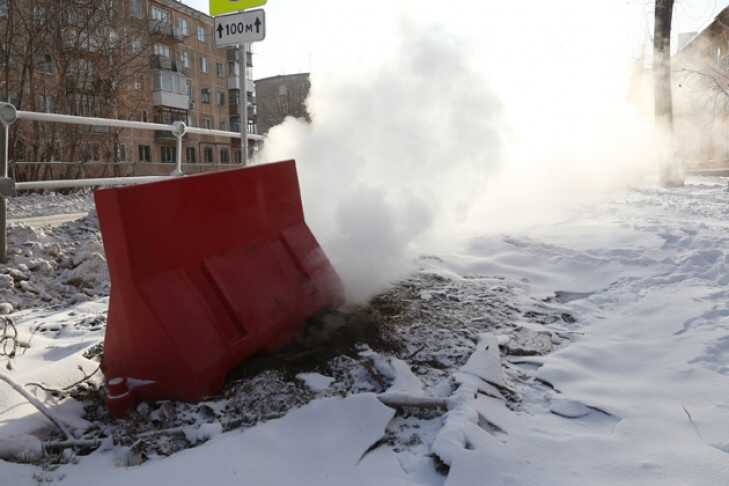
219	7
240	28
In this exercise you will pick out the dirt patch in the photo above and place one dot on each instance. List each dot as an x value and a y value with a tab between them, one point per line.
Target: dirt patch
430	321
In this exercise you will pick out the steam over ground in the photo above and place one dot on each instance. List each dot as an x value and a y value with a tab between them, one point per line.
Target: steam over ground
462	119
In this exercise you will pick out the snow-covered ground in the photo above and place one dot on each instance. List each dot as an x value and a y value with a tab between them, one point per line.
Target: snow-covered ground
591	351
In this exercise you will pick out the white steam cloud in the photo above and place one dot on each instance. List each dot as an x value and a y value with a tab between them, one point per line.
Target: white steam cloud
495	117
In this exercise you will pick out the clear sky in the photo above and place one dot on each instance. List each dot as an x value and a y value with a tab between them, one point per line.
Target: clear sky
301	31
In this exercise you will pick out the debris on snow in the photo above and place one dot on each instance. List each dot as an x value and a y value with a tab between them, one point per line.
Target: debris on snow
316	381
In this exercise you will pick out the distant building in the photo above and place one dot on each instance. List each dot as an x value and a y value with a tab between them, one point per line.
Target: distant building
701	98
281	96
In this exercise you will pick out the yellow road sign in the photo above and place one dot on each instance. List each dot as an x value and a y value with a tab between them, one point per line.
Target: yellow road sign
219	7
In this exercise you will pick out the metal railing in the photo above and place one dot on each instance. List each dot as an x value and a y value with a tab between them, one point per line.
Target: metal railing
8	187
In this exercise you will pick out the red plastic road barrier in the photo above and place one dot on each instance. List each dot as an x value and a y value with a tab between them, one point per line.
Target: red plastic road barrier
205	271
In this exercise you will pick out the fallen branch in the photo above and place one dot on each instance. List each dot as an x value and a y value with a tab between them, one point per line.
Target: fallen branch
64	391
70	444
37	404
8	338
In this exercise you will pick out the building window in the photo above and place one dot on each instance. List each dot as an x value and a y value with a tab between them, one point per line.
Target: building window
136	46
220	70
162	50
120	152
89	152
3	8
224	155
207	123
145	153
169	153
205	96
238	159
46	65
208	153
190	155
221	98
201	33
46	103
183	27
184	58
135	8
39	14
223	125
203	64
160	15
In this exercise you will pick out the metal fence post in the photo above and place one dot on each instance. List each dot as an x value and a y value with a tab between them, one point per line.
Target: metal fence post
3	202
179	132
8	115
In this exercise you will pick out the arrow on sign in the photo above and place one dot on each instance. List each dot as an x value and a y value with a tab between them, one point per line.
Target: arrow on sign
220	31
258	25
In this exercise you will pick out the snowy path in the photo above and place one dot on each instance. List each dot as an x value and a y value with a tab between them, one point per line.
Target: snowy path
648	383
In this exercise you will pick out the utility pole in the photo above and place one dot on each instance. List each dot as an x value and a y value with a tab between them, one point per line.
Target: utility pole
663	98
243	54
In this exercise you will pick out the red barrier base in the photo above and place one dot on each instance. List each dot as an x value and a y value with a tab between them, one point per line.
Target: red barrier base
206	271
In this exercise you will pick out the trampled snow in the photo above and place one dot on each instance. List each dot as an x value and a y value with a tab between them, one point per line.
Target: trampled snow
634	391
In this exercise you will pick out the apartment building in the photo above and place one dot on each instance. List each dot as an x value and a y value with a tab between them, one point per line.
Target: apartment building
281	96
182	77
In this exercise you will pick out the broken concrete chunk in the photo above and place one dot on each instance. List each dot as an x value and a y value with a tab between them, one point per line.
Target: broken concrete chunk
528	342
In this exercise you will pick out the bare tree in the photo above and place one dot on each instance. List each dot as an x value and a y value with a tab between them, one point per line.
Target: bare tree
78	57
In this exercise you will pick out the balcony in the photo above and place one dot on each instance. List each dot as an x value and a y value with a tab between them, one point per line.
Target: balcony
161	28
232	56
167	30
170	90
162	62
171	99
234	83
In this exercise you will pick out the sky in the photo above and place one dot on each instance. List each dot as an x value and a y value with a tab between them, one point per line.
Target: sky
299	32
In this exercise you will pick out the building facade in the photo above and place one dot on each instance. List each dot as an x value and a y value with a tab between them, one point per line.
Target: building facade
159	61
281	96
700	76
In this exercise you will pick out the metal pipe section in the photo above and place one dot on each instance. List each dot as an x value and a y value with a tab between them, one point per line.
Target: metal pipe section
6	148
78	183
178	170
221	133
83	120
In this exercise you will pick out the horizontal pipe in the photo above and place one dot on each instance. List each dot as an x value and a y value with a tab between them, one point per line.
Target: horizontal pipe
221	133
99	122
136	125
75	183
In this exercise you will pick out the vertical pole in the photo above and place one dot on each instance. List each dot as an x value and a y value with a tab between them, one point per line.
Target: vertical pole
4	142
243	60
6	151
178	171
